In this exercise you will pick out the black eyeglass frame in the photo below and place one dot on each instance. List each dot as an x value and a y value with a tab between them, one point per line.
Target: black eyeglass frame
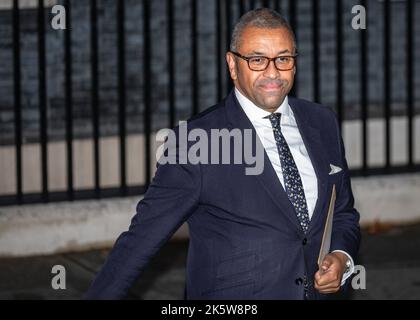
269	60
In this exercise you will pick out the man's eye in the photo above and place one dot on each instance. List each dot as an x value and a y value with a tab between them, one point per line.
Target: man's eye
283	59
257	60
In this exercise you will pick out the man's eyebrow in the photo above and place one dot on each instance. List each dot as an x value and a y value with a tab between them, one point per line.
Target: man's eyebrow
283	51
258	53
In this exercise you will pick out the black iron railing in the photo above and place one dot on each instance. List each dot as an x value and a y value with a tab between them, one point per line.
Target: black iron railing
224	20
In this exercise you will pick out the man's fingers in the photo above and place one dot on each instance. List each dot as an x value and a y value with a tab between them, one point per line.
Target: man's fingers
325	278
332	286
326	263
327	281
317	276
328	277
327	286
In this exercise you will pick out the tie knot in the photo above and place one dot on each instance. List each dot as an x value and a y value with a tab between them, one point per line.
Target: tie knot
275	119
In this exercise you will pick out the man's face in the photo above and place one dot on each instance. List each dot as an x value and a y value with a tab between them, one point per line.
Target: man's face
266	89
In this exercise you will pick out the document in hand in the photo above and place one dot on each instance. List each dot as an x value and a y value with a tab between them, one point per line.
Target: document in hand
326	238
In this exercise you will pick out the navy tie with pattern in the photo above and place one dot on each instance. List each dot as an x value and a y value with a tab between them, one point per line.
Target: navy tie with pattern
292	181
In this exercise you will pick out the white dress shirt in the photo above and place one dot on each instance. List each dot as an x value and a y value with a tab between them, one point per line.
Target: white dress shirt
293	138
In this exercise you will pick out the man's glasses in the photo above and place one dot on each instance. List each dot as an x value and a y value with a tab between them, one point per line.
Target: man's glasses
260	63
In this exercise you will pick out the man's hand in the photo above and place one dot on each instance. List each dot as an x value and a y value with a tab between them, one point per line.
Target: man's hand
328	277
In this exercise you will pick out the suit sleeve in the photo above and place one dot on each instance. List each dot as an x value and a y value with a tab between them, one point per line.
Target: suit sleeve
170	199
346	230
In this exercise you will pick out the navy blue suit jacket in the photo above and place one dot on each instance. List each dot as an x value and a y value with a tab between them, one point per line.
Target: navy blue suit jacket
245	239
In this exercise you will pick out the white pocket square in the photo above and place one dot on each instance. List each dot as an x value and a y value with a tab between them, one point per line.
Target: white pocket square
334	169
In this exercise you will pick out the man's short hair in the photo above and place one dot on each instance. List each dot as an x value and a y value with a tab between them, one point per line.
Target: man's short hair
263	18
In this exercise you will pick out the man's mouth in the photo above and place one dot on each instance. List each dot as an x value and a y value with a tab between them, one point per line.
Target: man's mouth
271	86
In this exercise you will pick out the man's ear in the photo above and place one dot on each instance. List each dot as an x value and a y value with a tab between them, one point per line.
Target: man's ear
230	59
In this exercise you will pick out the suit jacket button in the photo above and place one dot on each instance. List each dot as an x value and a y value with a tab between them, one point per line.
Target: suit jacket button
299	281
304	241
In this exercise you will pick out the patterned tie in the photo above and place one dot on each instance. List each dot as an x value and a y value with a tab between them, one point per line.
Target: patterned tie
292	180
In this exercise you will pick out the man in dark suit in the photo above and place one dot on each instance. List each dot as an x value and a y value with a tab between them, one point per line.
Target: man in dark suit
252	236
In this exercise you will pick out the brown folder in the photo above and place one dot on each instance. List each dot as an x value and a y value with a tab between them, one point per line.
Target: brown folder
326	238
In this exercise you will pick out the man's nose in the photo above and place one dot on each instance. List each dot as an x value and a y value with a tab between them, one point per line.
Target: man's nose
271	71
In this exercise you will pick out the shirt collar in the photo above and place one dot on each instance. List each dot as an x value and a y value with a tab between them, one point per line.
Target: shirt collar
255	113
